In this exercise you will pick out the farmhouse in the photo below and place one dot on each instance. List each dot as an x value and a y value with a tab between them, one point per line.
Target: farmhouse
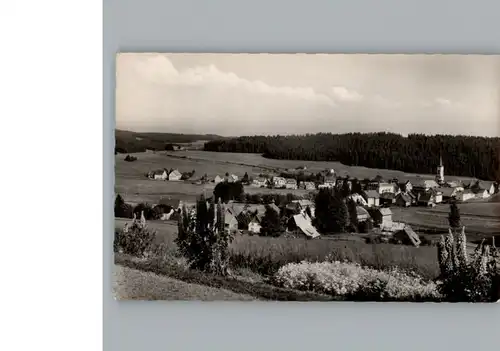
160	174
279	182
307	185
403	200
448	193
465	195
175	175
426	198
259	182
454	184
358	199
482	185
481	193
362	214
387	198
405	187
407	236
438	195
231	178
386	188
174	203
230	221
424	185
329	181
254	225
372	198
291	184
302	223
218	179
382	217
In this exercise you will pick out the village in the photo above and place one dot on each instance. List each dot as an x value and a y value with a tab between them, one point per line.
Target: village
374	199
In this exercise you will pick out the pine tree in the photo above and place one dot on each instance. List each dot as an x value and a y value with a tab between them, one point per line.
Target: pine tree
340	214
245	179
271	223
454	216
353	215
331	213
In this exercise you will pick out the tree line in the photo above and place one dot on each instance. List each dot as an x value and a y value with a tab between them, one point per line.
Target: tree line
417	153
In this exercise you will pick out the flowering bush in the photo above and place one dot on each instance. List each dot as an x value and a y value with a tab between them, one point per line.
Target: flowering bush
136	240
354	282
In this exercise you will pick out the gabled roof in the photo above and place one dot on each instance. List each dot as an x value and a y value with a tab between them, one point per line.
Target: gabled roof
305	226
484	185
361	211
385	211
176	172
372	194
175	203
412	235
425	183
274	207
447	192
304	203
405	197
388	196
291	181
158	172
427	196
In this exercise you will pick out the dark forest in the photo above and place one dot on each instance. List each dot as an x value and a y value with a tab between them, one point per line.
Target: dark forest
417	153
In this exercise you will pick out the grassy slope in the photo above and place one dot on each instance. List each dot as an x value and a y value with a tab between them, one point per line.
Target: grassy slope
133	284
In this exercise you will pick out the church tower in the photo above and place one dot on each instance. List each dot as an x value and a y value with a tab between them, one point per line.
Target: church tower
440	172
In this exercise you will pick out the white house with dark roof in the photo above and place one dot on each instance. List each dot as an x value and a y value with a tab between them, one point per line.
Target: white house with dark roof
259	182
291	183
372	198
279	182
175	175
159	174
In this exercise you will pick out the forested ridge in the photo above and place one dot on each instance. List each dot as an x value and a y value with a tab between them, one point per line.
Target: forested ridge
469	156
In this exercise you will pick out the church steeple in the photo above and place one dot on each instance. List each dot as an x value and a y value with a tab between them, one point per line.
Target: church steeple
440	171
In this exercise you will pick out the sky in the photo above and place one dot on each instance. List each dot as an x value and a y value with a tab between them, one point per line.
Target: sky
269	94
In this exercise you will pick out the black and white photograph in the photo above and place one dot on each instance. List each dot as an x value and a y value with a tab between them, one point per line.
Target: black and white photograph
307	177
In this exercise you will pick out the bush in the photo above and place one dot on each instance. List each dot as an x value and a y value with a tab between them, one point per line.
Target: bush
122	209
464	278
353	282
129	158
203	239
136	240
150	213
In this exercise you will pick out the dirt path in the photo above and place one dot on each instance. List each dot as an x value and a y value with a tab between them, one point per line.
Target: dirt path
131	284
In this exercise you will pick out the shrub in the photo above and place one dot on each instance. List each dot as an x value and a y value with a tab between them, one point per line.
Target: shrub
464	278
129	158
122	209
203	238
136	240
353	282
149	212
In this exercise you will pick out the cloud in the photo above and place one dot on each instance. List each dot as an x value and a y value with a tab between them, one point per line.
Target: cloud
344	94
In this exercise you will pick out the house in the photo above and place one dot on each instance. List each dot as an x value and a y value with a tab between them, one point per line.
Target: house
231	178
160	174
372	198
254	225
386	188
259	182
175	175
358	199
465	195
454	184
481	193
230	221
448	193
302	205
407	236
426	198
424	185
438	195
387	198
307	185
302	223
406	187
279	182
218	179
362	214
329	181
482	185
291	183
382	217
403	200
174	203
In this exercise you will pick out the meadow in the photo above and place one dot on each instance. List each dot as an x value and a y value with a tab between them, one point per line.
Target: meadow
265	255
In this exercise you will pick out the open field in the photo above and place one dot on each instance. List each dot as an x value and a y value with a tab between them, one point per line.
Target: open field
257	160
480	219
265	255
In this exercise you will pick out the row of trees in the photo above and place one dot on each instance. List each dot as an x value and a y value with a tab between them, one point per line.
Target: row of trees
125	210
417	153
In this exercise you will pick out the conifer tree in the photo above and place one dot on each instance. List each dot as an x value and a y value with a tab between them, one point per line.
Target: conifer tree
454	216
271	223
353	215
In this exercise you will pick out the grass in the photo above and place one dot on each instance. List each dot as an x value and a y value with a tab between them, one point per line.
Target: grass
259	290
265	255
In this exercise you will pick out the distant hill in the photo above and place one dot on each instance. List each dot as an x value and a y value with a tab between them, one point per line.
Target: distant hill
130	142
